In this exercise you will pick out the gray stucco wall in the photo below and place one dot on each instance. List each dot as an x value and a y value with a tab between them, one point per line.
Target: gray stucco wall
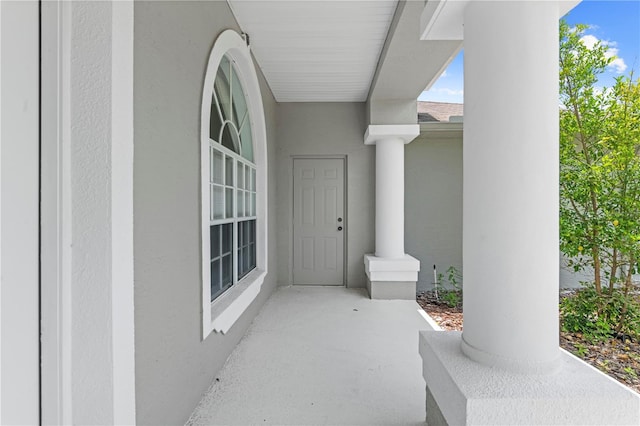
433	208
173	365
571	279
433	203
328	129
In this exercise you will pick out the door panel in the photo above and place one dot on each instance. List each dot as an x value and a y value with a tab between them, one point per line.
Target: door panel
319	222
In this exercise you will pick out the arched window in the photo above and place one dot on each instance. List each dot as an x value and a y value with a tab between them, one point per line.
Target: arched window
232	180
233	184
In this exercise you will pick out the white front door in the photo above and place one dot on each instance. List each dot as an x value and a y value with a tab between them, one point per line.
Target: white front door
318	221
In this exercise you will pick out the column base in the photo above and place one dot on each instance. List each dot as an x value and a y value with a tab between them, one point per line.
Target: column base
463	392
391	278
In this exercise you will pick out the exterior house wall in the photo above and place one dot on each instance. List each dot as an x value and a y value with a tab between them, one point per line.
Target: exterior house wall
317	129
433	208
433	203
174	367
571	279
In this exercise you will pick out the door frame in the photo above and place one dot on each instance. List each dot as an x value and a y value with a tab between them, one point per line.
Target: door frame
345	241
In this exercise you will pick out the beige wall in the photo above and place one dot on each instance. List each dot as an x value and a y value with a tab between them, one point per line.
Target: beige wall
173	365
328	129
433	203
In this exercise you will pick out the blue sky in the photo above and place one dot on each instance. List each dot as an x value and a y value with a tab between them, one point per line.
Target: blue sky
614	22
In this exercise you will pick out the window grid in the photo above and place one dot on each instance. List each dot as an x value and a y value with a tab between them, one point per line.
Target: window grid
221	241
248	193
246	247
233	179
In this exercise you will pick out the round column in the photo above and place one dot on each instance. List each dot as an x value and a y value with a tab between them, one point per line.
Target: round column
510	219
390	198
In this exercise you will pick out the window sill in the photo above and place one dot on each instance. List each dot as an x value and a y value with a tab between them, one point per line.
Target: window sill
227	308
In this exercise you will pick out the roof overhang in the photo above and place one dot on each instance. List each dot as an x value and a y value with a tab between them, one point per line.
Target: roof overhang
443	19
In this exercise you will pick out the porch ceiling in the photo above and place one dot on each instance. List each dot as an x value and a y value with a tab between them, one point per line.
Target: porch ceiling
316	51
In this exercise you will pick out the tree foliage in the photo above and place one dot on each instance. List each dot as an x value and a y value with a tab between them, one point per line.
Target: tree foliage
599	172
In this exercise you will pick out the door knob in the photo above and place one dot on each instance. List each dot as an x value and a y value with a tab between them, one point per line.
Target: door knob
339	228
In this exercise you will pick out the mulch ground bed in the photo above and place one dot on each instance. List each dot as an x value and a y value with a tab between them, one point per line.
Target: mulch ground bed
447	317
619	359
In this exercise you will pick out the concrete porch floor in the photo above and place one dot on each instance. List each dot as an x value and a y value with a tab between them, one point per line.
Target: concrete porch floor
322	356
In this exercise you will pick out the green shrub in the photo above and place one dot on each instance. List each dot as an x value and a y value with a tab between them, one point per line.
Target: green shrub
453	298
601	316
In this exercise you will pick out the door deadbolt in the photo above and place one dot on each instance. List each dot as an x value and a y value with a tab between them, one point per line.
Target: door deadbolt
339	219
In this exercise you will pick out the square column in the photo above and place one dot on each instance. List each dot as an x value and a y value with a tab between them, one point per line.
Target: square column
506	367
391	274
88	342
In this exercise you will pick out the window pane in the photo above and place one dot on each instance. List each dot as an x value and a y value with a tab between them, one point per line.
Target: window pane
229	202
247	204
245	234
253	204
230	138
245	260
240	181
246	247
223	91
210	202
253	180
252	231
235	137
241	266
211	151
239	103
216	167
227	263
218	202
228	167
247	141
215	278
214	236
252	244
215	122
252	256
240	201
227	238
247	178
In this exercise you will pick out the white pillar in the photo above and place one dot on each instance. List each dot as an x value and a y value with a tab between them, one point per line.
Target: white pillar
392	274
510	219
390	198
507	363
390	141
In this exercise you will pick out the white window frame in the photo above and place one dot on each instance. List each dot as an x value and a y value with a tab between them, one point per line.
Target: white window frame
235	218
220	315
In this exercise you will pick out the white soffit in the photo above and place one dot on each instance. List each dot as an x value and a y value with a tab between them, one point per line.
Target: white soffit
316	50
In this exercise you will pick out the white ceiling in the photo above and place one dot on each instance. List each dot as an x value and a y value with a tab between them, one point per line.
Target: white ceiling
316	51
